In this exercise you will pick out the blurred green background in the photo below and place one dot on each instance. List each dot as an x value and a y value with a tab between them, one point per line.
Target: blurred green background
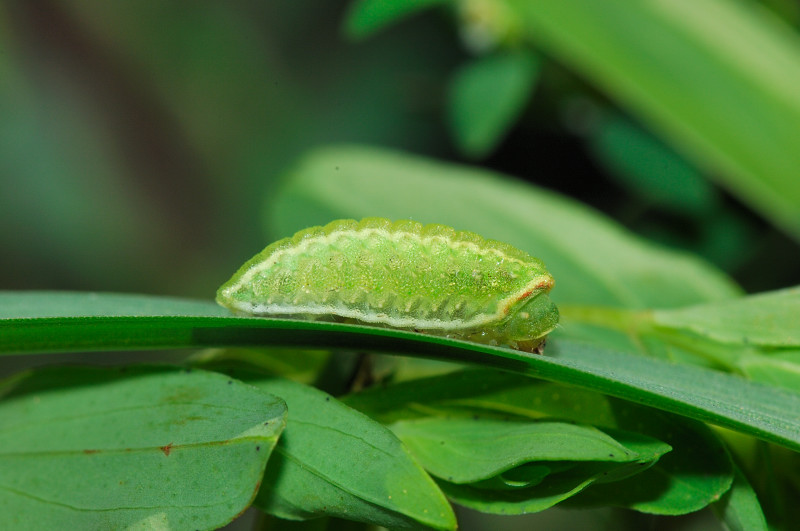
140	141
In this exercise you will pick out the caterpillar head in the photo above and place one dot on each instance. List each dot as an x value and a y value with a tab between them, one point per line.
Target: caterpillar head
534	319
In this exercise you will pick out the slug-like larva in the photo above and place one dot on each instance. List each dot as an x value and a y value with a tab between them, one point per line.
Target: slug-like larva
425	278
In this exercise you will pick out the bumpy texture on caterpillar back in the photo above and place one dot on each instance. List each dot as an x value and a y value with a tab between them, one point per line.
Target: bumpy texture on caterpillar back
405	275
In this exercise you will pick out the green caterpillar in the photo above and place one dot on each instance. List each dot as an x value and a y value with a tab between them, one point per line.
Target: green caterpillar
426	278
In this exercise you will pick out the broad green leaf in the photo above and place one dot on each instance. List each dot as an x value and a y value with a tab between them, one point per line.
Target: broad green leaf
755	335
695	473
695	71
334	461
729	401
769	319
634	331
573	327
486	96
471	457
131	448
594	261
366	17
739	509
467	450
773	370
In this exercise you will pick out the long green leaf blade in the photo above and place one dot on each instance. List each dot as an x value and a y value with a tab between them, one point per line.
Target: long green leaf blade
723	399
696	71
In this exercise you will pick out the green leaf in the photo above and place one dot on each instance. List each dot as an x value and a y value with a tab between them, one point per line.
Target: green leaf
576	328
557	488
755	335
132	448
594	261
767	319
695	473
694	70
365	17
334	461
723	399
468	450
739	509
774	370
477	459
485	98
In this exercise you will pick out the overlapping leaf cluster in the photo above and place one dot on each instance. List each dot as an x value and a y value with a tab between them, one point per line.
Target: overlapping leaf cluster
505	444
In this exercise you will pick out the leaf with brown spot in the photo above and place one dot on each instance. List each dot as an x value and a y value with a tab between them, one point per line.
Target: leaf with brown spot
83	448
